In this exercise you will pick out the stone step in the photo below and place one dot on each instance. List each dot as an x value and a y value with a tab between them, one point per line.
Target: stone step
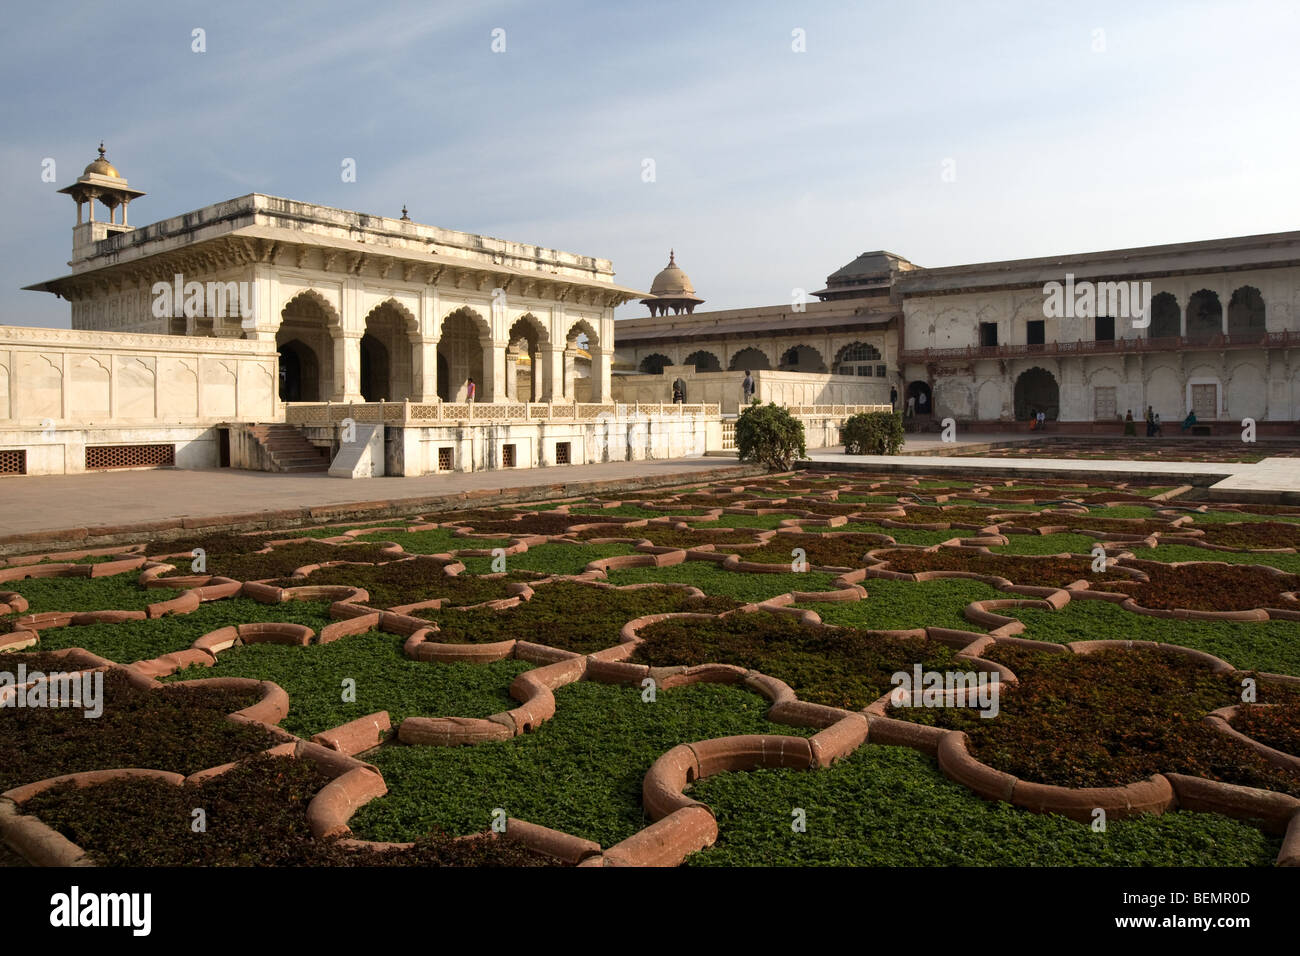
289	449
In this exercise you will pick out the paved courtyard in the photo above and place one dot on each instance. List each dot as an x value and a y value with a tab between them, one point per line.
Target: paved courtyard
48	502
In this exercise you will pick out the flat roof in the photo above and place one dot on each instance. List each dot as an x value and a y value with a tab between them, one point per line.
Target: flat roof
1265	251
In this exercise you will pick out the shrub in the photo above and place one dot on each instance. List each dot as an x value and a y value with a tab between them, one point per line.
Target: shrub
873	433
769	435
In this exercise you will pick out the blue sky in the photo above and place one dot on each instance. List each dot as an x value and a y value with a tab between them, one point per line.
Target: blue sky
772	167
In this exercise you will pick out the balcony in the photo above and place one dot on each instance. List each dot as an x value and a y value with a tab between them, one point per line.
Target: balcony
971	353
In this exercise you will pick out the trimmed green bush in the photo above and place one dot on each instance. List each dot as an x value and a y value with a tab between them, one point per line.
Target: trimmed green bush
769	435
873	433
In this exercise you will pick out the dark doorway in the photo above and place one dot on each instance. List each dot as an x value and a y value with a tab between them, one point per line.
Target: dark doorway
1036	332
1105	328
299	373
988	334
1204	316
1166	319
374	369
919	401
1036	390
444	378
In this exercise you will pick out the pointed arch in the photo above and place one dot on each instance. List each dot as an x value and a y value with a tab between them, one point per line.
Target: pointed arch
463	345
654	363
529	328
1166	317
704	361
1204	315
1246	312
474	318
749	359
310	320
802	358
580	328
310	297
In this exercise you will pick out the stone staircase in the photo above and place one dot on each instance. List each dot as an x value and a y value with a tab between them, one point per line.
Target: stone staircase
288	449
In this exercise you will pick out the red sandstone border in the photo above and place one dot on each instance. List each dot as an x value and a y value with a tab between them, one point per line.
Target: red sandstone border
684	827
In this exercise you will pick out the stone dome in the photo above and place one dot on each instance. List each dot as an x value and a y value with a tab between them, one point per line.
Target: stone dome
672	282
101	167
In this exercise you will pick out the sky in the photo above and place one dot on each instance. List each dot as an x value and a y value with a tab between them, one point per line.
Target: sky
785	138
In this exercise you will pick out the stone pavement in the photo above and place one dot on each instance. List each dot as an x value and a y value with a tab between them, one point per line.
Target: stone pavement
1274	480
64	511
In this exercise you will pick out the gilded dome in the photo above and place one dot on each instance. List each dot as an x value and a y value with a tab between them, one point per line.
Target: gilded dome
101	167
672	282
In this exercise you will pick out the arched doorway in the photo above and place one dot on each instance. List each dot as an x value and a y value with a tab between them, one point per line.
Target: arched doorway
802	358
749	360
307	328
654	364
461	349
703	361
1204	316
525	370
1246	313
1166	320
1036	390
299	373
919	399
374	369
444	379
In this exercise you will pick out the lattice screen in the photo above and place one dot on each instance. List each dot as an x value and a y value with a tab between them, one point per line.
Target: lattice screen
129	456
13	462
562	453
444	459
507	456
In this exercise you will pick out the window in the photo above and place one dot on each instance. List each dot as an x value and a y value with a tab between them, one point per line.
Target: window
1104	407
988	334
859	352
562	453
849	357
1105	328
444	459
507	456
880	371
1035	332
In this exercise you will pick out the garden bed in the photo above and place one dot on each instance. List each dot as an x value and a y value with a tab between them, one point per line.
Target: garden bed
1110	718
839	667
255	815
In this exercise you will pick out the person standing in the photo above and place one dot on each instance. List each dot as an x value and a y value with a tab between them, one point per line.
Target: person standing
922	403
746	390
1151	421
1042	419
893	397
677	392
470	390
1129	427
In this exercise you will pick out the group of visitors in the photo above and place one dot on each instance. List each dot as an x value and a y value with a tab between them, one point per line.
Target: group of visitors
916	404
1155	429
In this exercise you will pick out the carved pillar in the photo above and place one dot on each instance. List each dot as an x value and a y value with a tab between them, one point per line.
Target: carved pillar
494	371
553	360
570	370
601	385
347	367
512	373
424	369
